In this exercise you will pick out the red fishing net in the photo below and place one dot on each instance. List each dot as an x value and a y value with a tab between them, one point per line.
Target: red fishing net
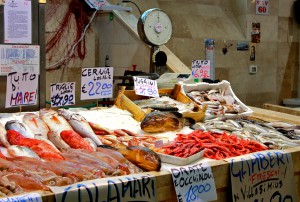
66	24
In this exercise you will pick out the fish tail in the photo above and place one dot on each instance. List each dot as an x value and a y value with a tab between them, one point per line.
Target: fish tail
55	119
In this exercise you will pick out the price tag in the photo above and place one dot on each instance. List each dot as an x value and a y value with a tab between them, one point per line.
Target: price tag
146	87
62	94
96	83
194	183
21	89
201	69
24	198
262	7
136	187
263	176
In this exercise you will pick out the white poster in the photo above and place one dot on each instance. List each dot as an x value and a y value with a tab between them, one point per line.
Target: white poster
96	83
145	87
263	176
262	7
19	58
194	183
17	21
62	94
21	89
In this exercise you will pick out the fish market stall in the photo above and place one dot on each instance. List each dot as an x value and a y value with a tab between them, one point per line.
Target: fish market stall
82	140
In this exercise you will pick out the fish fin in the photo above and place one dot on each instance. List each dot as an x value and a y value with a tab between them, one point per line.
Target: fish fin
35	122
55	119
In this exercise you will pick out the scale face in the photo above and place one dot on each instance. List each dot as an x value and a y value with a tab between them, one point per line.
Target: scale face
155	27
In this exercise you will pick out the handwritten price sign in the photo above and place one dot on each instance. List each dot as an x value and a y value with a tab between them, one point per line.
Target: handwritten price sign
96	83
146	87
263	176
201	69
262	7
21	89
194	183
62	94
136	187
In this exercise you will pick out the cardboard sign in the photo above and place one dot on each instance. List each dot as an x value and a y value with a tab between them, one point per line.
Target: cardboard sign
62	94
96	83
262	7
17	21
263	176
21	89
23	198
201	69
146	87
194	183
19	58
136	187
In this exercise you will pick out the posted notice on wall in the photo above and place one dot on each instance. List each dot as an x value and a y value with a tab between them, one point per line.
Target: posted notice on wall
136	187
21	89
201	69
262	7
62	94
194	183
19	58
96	83
17	21
146	87
263	176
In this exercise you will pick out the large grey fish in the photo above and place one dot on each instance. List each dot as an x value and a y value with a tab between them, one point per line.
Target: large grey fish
19	127
80	125
158	121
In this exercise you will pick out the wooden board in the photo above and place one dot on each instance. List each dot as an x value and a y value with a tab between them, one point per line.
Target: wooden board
282	109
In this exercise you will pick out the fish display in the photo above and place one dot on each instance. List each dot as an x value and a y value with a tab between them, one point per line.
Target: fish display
216	101
157	121
252	129
80	125
217	146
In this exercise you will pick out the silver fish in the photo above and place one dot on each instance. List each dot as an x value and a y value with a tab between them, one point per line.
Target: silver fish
56	139
36	124
19	127
80	125
16	150
56	124
254	127
199	126
234	123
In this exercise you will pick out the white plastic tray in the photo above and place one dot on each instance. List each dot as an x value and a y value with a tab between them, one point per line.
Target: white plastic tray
224	86
180	161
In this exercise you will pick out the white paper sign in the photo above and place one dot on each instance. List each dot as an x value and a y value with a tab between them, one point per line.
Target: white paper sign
262	7
17	21
96	83
194	183
31	197
21	89
146	87
201	69
19	58
136	187
263	176
62	94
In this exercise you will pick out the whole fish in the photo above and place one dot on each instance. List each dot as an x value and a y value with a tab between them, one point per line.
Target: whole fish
75	140
56	124
16	150
19	127
3	138
36	124
158	121
80	125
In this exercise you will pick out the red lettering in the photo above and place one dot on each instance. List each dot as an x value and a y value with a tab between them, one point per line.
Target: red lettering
26	97
31	96
19	98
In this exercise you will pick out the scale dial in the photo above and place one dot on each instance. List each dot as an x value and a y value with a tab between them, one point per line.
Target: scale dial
155	27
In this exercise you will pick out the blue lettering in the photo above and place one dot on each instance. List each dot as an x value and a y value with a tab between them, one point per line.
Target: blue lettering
264	163
112	186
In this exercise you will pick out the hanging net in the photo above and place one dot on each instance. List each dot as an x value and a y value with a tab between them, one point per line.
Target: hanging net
67	22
